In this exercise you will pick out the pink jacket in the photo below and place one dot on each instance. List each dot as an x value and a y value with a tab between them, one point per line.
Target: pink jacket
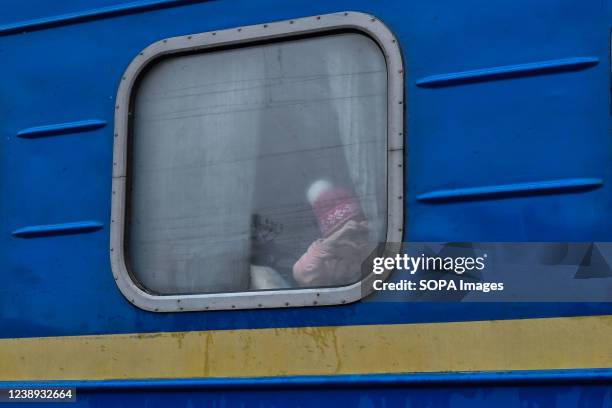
336	260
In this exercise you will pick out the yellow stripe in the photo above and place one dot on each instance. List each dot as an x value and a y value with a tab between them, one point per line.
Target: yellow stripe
533	344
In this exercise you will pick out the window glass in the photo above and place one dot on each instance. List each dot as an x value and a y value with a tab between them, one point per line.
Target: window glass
261	167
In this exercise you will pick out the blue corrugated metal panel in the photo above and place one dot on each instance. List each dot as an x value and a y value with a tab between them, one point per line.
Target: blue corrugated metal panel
61	128
34	231
507	130
512	190
554	390
508	71
99	13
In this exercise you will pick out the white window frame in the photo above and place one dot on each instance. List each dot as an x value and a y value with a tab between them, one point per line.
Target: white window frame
281	30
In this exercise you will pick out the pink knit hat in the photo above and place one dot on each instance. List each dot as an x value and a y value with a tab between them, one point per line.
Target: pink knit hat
333	206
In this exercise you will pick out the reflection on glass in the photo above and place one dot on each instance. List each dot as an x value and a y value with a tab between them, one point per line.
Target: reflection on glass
261	167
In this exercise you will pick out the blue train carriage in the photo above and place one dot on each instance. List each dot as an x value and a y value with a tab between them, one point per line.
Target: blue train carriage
166	166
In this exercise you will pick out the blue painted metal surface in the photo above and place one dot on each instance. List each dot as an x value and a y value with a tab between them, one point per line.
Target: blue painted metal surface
89	15
506	121
555	377
512	190
509	71
61	128
562	396
524	389
502	132
57	229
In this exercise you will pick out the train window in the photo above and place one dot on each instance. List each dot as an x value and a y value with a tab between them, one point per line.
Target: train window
252	173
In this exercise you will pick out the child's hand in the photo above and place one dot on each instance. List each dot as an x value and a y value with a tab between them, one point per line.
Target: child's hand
335	260
353	234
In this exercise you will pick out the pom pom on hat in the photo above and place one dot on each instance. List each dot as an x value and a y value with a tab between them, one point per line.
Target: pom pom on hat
316	189
333	206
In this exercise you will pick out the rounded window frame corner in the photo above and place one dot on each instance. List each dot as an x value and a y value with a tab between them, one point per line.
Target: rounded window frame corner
360	22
